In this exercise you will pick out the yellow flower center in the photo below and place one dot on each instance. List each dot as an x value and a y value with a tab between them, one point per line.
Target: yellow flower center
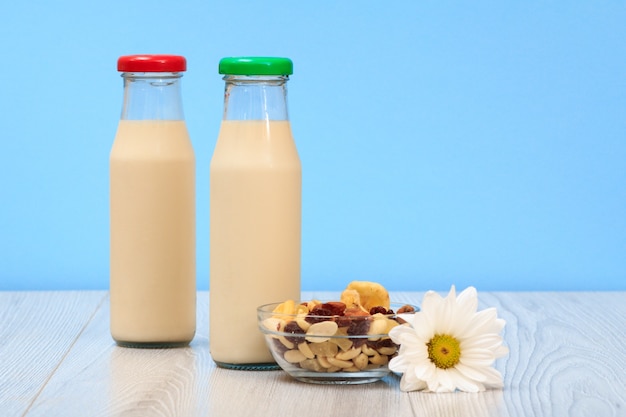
444	351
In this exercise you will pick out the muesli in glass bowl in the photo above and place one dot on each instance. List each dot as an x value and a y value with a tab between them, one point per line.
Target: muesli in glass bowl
333	342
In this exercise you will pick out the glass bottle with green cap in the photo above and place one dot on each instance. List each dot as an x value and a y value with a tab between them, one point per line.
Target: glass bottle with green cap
255	209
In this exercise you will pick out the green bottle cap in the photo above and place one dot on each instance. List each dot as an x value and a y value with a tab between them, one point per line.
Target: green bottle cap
256	65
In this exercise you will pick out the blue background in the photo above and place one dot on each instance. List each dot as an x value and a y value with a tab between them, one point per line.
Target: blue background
477	143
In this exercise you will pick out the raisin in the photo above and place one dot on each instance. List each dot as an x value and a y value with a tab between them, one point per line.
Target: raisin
406	309
343	321
319	314
280	348
293	328
359	326
357	342
377	344
378	309
336	307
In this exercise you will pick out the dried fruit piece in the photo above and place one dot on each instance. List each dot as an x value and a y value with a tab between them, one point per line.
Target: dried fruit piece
378	359
335	307
351	298
368	350
319	314
324	349
306	350
321	332
301	309
371	294
339	363
274	324
294	356
283	340
279	346
378	310
391	324
324	362
387	350
359	326
288	307
349	315
361	361
348	354
333	368
378	326
406	309
311	304
344	343
382	342
356	312
293	328
312	365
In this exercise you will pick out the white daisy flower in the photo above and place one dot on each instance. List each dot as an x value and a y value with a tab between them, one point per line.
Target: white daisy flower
450	345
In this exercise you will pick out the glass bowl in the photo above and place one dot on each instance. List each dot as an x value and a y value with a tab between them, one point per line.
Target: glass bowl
331	349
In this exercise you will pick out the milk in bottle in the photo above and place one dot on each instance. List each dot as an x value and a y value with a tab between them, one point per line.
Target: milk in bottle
255	210
152	209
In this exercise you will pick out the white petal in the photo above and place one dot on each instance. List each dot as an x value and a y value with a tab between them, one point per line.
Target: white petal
430	301
425	370
428	316
494	378
463	383
414	351
486	375
408	317
477	353
446	316
481	323
498	325
410	382
477	357
487	341
471	372
501	351
407	359
466	304
399	364
446	384
468	300
423	327
402	333
433	382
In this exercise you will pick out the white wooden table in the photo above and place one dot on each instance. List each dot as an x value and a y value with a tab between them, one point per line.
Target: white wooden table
567	358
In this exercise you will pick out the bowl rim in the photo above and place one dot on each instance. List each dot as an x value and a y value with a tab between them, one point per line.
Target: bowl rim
265	312
264	309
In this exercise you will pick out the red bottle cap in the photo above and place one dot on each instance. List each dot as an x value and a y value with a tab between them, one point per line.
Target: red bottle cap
152	63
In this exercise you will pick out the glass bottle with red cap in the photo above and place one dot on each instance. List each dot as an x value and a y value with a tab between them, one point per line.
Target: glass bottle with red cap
152	209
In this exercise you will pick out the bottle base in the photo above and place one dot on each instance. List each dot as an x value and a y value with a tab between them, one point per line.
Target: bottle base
270	366
151	345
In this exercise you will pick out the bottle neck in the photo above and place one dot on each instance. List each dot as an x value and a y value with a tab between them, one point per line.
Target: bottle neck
255	97
152	96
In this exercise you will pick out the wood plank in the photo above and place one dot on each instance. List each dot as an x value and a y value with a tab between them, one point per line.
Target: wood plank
274	393
567	358
37	329
567	354
109	380
105	379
